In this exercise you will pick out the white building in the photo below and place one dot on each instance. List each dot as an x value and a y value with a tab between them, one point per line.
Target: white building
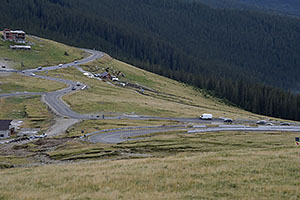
5	129
23	47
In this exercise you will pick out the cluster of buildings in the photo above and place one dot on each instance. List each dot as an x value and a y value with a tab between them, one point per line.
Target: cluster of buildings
9	128
17	37
14	36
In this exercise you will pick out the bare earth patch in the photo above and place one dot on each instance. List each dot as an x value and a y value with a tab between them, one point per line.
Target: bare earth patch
60	126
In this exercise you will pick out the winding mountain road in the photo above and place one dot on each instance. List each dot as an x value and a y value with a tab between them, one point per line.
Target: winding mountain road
53	99
55	102
115	136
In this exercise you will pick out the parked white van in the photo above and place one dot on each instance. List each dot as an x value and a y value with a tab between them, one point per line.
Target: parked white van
206	116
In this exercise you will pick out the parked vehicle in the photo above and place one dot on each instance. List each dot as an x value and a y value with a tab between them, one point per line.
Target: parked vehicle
41	136
206	116
60	65
31	137
39	68
228	120
78	84
75	61
269	124
285	124
261	122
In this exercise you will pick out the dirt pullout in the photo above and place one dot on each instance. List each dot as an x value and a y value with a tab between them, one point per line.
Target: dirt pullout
60	126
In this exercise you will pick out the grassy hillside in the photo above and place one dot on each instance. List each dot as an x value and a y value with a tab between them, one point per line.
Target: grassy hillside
228	165
169	98
31	110
203	166
44	53
225	51
18	83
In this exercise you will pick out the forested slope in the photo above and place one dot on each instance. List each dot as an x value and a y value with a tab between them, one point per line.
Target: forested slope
181	39
291	7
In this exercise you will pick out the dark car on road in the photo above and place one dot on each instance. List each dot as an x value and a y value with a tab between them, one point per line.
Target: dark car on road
285	124
228	120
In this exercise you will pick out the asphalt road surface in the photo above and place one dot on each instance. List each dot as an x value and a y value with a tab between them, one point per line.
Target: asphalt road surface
114	137
55	102
53	99
125	134
259	128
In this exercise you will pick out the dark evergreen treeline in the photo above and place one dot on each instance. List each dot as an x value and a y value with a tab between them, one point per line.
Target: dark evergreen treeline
183	40
256	98
291	7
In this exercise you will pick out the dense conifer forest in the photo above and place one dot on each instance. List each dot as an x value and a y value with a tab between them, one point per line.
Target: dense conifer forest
291	7
248	58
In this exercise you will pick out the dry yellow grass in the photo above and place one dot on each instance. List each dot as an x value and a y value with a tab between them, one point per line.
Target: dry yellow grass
230	165
31	110
19	83
222	175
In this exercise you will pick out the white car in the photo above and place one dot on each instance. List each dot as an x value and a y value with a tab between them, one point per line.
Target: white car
32	74
60	65
41	136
